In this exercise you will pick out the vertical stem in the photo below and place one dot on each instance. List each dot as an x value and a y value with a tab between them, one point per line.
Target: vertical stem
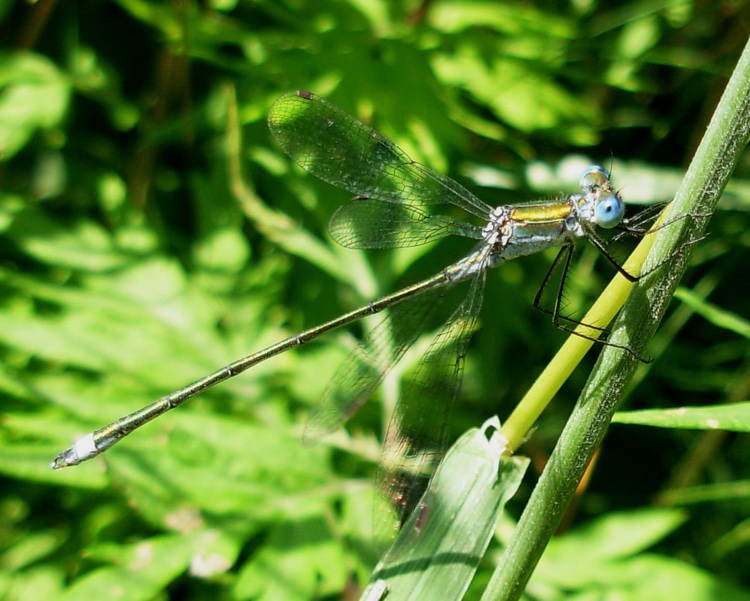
704	181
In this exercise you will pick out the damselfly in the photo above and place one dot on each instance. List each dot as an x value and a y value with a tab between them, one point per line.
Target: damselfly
394	197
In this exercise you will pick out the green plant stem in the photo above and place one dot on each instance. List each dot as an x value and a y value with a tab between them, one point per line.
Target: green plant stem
541	393
714	161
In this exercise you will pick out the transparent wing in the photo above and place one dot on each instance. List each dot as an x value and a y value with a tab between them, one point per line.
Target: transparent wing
366	223
340	150
364	369
416	437
393	193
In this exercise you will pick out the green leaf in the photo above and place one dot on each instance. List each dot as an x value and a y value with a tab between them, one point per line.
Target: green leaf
298	552
441	544
614	536
734	417
34	95
613	567
244	469
721	491
139	572
716	315
82	245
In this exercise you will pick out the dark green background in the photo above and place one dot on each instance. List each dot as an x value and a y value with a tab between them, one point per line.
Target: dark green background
133	260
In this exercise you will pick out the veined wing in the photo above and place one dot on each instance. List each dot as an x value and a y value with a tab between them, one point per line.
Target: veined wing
364	369
367	223
415	440
346	153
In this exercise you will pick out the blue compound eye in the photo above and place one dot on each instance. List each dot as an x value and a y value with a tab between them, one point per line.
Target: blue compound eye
609	211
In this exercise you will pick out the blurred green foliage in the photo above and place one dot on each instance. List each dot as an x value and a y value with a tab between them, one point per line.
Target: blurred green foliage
144	244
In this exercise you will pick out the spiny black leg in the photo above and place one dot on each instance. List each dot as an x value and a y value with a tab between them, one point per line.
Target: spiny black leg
635	225
600	245
566	254
639	224
538	298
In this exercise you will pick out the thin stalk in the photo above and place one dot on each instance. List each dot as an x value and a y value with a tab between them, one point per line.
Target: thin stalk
714	161
546	386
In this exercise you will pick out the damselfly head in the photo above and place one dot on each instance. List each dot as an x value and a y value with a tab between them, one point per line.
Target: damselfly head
606	206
